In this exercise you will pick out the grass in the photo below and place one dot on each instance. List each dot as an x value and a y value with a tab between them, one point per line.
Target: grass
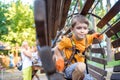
109	64
113	63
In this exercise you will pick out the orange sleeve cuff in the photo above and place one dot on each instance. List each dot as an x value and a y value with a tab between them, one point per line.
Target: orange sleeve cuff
60	65
98	36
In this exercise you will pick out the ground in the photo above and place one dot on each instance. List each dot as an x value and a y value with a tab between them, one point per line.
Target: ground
14	74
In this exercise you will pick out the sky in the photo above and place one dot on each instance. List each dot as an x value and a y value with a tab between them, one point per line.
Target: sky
24	1
112	2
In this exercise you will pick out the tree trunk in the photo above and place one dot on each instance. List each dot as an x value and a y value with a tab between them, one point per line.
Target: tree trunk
109	50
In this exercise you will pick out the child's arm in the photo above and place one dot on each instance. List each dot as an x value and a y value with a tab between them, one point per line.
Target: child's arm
97	36
27	53
59	60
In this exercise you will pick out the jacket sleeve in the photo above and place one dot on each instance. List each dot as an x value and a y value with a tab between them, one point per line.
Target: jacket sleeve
97	36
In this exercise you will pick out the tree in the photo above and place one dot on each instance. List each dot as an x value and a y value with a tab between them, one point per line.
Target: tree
109	51
3	27
20	21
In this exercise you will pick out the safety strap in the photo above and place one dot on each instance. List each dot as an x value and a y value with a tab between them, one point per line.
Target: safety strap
73	53
86	42
73	48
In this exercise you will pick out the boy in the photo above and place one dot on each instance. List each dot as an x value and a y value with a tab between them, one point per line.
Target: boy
79	29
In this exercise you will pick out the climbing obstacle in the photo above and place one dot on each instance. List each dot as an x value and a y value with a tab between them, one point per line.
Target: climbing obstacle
50	17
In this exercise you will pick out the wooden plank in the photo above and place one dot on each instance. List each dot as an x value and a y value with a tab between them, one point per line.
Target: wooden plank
50	11
99	70
98	60
96	41
64	13
116	68
39	17
53	16
113	30
88	4
58	12
98	50
115	77
117	56
112	12
96	75
116	43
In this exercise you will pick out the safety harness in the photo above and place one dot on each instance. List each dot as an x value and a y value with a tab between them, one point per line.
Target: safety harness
74	51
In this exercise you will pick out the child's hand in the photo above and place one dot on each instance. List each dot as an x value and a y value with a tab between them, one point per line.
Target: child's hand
60	65
98	36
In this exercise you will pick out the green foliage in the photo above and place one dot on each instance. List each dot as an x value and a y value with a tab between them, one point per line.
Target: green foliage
19	23
3	28
5	52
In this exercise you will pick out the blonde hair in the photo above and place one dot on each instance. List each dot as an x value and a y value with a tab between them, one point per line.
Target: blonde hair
24	43
79	18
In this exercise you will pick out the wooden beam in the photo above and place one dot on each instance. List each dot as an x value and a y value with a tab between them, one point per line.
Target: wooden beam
112	12
117	56
113	30
64	13
116	43
96	41
88	4
98	50
57	19
115	76
98	60
40	22
49	20
116	68
99	70
96	75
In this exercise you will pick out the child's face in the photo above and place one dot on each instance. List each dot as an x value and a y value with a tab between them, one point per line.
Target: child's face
80	30
26	45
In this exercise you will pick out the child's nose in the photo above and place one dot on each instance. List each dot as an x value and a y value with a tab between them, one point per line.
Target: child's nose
82	30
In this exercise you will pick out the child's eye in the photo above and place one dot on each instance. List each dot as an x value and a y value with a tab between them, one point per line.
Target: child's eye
85	27
79	27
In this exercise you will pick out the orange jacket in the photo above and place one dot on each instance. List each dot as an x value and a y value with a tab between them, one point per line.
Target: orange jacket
65	45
